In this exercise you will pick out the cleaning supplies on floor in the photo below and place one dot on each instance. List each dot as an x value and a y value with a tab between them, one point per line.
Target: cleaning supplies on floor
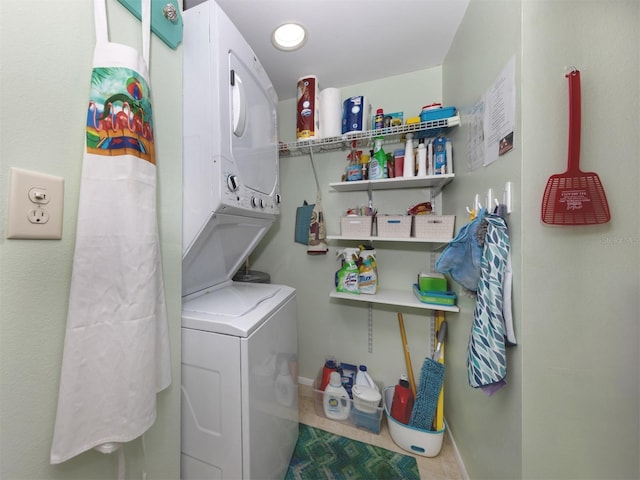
330	365
347	276
429	385
336	401
364	379
367	272
403	400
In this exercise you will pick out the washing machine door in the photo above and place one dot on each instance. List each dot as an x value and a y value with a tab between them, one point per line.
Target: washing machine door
219	249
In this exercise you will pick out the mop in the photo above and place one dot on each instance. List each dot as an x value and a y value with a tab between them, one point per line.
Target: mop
430	384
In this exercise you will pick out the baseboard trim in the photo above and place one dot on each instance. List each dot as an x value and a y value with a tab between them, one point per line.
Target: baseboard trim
457	453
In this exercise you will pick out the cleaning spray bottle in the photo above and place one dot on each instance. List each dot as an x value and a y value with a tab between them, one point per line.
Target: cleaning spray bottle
347	276
368	272
402	404
378	161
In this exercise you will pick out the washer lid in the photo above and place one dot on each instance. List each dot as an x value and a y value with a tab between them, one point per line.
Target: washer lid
219	249
234	308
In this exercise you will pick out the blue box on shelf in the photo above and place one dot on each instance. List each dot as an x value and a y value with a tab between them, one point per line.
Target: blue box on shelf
437	114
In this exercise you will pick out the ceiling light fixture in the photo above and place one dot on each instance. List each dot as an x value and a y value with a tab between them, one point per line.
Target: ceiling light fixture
289	36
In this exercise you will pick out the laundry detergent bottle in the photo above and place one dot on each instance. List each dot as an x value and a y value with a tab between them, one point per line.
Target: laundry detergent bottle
335	399
402	404
330	366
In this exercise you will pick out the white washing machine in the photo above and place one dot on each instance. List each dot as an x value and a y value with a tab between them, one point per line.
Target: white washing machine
239	340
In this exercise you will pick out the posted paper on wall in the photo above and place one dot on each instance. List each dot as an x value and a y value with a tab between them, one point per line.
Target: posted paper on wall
499	114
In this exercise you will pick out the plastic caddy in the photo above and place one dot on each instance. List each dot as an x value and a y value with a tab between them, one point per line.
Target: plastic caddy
415	440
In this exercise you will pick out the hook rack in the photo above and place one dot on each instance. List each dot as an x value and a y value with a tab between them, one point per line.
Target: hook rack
491	200
166	20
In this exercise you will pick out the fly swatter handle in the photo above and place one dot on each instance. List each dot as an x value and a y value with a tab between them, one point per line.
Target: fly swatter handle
574	121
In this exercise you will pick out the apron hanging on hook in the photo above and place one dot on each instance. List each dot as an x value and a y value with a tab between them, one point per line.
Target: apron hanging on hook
317	229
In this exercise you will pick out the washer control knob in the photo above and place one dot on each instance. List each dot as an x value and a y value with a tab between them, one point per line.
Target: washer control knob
262	203
254	202
278	199
232	183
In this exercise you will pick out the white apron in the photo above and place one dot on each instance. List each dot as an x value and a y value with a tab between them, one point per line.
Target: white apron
116	349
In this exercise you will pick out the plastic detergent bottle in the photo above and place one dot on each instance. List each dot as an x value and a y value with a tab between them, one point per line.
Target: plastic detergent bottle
378	160
330	365
402	404
285	389
368	272
422	159
409	159
363	378
439	156
335	399
347	276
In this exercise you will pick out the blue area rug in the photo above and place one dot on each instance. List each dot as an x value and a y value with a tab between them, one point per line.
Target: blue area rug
322	455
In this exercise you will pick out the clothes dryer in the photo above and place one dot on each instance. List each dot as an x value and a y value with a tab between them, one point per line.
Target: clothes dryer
239	340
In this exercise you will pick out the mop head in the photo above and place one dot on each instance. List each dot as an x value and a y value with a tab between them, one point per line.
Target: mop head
424	408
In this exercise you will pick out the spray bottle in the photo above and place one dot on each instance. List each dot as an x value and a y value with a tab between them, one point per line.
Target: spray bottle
347	276
368	272
378	161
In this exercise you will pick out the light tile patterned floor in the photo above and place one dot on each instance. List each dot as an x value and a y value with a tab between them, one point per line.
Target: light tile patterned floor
443	467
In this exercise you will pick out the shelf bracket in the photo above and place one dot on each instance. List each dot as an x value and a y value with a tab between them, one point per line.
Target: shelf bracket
370	327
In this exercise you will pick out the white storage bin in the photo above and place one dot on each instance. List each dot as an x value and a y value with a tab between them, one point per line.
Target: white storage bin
394	226
368	417
415	440
355	226
434	227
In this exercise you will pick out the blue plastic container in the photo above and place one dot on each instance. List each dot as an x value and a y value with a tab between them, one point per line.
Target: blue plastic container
437	114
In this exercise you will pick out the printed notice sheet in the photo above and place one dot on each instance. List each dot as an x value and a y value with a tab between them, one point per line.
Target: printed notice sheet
499	114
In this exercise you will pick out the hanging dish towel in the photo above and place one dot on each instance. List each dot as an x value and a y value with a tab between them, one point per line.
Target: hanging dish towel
116	348
486	355
462	257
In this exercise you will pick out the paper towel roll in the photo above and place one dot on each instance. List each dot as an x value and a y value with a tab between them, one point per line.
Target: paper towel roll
330	113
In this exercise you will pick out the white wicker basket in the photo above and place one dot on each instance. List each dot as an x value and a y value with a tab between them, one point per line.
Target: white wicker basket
355	226
435	227
394	226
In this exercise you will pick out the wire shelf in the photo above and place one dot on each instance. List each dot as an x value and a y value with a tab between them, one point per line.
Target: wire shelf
422	130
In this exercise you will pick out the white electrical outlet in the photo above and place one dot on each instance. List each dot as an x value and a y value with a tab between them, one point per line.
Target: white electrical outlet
35	205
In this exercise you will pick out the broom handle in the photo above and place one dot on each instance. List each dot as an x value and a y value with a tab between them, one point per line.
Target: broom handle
407	358
575	119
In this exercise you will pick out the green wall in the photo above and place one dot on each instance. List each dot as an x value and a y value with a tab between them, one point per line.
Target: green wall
571	408
46	53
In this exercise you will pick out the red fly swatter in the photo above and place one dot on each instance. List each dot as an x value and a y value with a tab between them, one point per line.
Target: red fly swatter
574	197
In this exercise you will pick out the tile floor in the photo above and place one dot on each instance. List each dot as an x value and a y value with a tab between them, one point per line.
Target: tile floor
442	467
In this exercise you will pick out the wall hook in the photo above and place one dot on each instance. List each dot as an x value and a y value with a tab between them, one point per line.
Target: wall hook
166	21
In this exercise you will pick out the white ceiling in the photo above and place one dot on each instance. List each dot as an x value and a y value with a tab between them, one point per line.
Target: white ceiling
349	41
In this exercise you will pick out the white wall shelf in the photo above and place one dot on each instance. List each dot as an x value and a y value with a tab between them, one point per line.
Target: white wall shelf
433	244
401	298
435	182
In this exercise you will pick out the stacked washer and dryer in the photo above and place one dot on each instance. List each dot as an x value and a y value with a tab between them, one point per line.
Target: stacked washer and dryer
239	340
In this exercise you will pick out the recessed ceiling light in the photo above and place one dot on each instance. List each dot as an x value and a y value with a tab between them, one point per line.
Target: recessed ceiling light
290	36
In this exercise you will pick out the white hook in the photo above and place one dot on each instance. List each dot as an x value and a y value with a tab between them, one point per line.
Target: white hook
506	196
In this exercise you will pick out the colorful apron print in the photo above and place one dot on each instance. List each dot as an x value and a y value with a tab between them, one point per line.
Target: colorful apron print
120	123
